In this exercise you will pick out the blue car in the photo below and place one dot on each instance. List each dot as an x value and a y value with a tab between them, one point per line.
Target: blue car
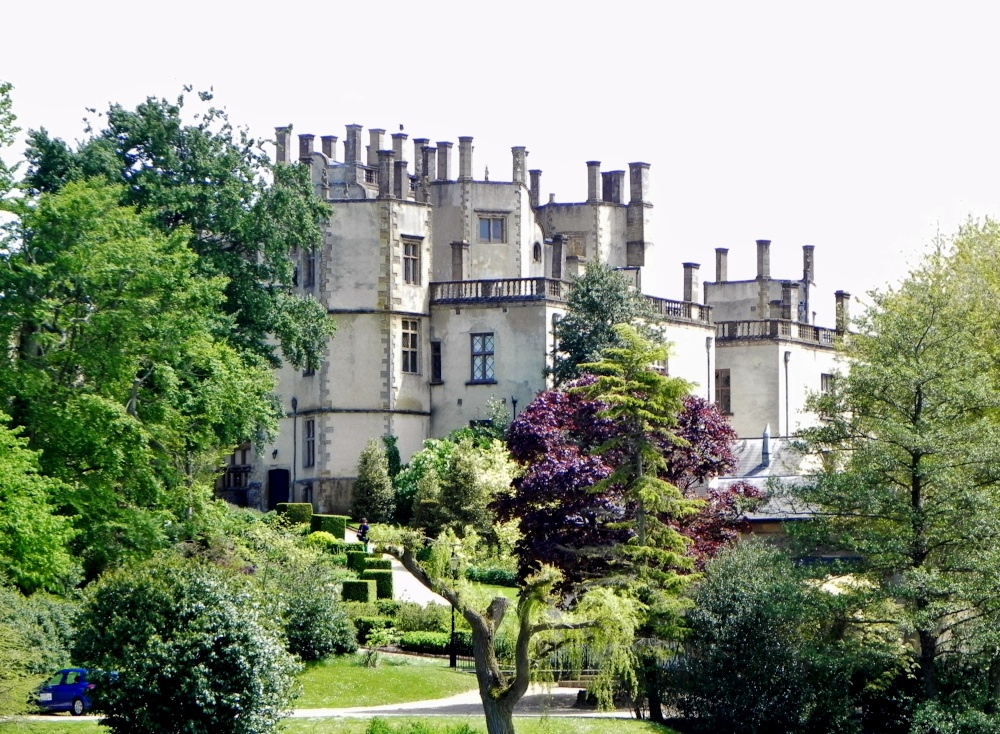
67	690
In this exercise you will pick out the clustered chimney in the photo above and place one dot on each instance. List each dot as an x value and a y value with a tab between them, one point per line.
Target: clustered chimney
536	187
352	145
444	161
808	264
306	147
330	146
374	145
419	169
385	171
611	186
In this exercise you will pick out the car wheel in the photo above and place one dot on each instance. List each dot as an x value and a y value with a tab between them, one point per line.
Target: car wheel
78	707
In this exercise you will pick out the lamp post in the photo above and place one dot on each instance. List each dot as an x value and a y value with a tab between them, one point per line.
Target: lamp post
453	658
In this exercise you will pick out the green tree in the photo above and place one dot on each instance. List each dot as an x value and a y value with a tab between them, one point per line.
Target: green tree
475	476
33	538
770	649
192	651
911	457
7	132
115	372
599	299
373	497
243	216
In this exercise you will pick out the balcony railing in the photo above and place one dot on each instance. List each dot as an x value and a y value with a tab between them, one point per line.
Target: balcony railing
775	329
505	289
681	310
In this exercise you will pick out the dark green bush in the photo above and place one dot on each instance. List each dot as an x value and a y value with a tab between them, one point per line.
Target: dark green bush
378	564
383	581
336	525
356	560
364	625
362	590
388	607
295	512
382	726
354	546
492	576
339	559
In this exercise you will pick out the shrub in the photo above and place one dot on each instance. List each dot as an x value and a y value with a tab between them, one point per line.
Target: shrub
383	581
493	576
336	525
430	643
339	559
362	590
355	546
356	560
411	617
315	624
377	564
295	513
161	625
323	541
388	607
365	625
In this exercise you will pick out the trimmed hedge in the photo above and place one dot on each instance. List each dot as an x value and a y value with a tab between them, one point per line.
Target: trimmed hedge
296	512
383	580
356	560
336	525
364	626
365	590
491	576
388	607
348	547
380	564
436	643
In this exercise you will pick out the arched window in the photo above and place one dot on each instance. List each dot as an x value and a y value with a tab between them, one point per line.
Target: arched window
538	252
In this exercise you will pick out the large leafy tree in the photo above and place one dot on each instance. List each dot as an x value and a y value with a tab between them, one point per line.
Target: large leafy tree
7	132
242	215
599	299
911	456
115	371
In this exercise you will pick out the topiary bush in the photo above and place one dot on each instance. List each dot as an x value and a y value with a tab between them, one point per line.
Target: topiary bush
388	607
430	643
336	525
361	590
356	560
295	513
378	564
355	546
324	541
383	581
411	617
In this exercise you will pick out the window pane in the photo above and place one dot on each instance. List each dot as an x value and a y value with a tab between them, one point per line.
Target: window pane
484	229
497	233
487	342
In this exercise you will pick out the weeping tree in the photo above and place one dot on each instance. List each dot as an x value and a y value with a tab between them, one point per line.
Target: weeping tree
603	619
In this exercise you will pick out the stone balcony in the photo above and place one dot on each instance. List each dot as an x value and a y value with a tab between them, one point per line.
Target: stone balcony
729	331
505	290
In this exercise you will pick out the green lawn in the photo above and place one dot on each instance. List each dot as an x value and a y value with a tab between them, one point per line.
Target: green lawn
341	682
524	725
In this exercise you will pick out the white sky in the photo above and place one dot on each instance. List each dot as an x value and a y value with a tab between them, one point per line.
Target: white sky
862	128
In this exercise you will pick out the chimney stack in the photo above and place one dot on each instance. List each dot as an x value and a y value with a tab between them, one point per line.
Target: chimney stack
281	135
536	186
639	181
352	145
690	281
843	311
465	158
444	161
763	259
385	171
790	300
330	147
374	146
306	147
401	180
430	162
808	264
721	264
593	181
520	155
398	139
636	216
419	170
612	184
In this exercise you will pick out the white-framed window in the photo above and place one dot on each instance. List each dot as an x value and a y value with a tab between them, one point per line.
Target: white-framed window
309	443
483	358
411	262
411	340
492	227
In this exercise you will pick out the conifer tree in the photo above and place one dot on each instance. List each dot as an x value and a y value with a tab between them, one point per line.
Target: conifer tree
373	496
